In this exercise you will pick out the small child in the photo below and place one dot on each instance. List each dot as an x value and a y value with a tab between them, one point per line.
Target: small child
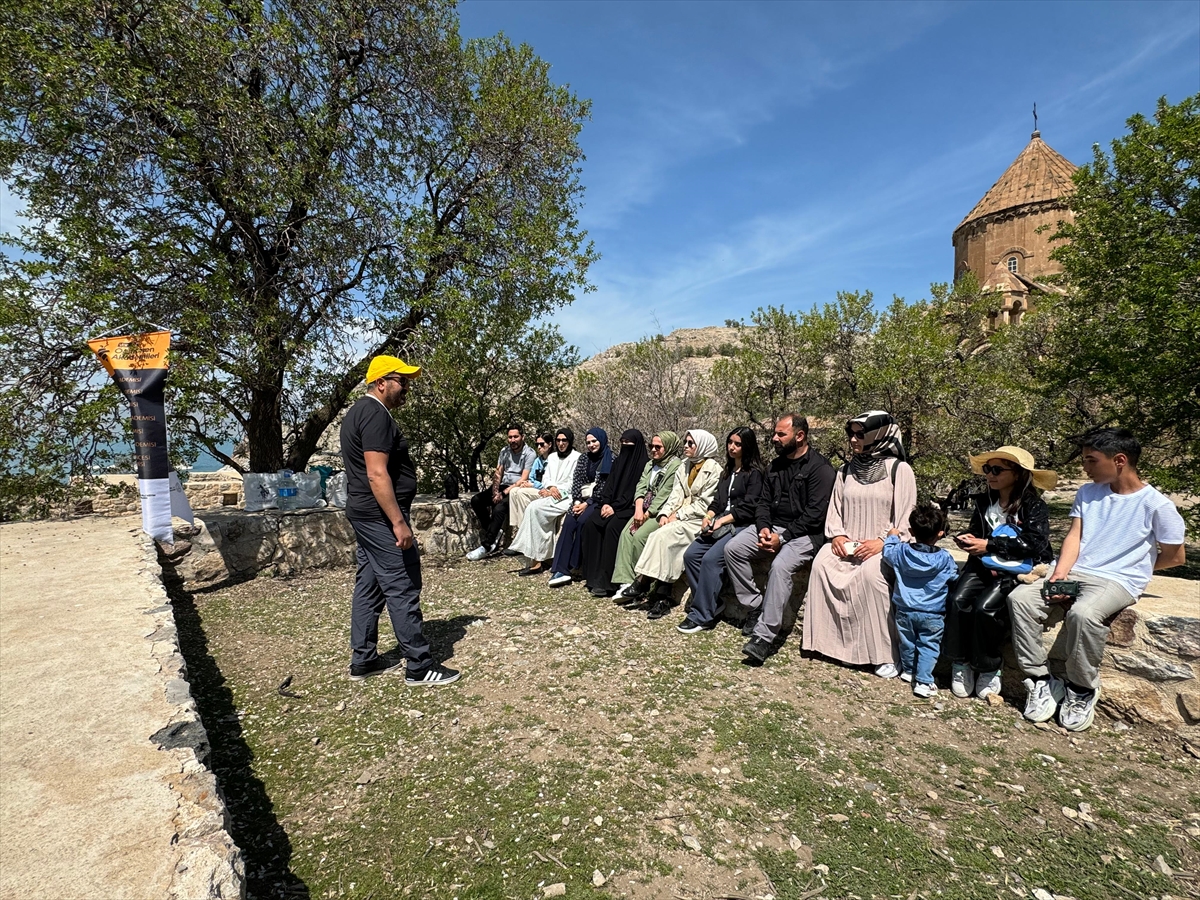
923	576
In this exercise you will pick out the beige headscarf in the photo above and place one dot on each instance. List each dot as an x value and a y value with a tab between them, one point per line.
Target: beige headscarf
706	446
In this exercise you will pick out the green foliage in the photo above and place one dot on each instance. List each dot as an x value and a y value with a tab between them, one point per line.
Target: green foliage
1129	325
290	187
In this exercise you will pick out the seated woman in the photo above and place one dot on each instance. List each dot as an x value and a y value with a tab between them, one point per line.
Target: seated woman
525	492
977	623
652	492
847	613
535	537
733	508
591	471
615	503
661	562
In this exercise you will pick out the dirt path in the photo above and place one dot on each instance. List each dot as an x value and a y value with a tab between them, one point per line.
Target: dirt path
85	805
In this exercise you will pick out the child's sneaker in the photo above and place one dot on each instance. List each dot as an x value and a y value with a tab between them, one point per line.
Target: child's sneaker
1044	696
887	670
986	684
1078	709
921	689
962	681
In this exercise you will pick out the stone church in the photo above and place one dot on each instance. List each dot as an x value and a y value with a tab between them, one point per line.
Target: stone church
1005	239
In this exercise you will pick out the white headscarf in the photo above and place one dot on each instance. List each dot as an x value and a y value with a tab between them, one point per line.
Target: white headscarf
707	447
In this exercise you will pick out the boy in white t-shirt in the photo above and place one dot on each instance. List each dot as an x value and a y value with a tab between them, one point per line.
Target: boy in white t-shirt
1122	530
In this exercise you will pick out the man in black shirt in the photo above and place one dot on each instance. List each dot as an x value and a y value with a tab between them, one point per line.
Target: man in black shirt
790	530
381	482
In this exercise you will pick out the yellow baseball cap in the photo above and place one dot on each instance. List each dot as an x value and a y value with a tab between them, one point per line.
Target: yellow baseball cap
387	365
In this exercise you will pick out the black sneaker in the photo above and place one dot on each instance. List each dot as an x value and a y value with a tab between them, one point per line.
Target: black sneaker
432	677
750	621
757	649
378	666
687	626
659	608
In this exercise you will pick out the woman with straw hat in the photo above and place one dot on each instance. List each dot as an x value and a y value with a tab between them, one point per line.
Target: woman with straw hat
1009	534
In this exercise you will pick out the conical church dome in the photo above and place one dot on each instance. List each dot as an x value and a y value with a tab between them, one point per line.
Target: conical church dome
1037	175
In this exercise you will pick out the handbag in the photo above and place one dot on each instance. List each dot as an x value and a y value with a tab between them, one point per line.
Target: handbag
711	537
1008	534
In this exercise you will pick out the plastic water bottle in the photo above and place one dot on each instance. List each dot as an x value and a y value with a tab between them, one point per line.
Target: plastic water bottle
287	489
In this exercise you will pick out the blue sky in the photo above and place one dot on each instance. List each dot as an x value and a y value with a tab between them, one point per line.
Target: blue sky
744	154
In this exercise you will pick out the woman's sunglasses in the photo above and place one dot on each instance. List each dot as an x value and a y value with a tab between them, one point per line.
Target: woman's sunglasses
688	442
994	470
855	433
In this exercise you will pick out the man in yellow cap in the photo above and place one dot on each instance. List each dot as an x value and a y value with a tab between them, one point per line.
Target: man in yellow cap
381	482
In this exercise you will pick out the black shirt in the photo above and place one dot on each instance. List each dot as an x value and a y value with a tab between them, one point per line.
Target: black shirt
796	494
369	426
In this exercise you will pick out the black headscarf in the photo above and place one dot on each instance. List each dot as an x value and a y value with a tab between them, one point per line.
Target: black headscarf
570	436
626	470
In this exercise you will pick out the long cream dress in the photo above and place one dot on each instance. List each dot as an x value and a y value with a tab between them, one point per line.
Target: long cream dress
539	524
847	608
662	557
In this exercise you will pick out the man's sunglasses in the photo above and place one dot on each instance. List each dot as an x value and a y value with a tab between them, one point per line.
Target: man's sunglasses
995	470
397	378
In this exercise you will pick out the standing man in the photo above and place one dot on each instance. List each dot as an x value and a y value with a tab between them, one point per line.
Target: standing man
491	504
790	530
381	482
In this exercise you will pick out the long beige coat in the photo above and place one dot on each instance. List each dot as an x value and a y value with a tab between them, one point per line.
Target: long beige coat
662	557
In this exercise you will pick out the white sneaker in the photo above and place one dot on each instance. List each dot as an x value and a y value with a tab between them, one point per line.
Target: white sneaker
962	681
477	554
1044	696
1078	709
559	580
986	684
887	670
920	689
906	677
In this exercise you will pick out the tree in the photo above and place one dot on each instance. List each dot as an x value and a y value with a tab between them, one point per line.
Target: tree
1129	326
480	374
292	187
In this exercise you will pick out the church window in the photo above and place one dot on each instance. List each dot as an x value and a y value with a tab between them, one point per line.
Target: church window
1012	264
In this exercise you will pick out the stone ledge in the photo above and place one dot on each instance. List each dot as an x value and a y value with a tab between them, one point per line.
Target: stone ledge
209	864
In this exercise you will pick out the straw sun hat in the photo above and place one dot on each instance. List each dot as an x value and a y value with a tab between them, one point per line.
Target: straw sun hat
1043	479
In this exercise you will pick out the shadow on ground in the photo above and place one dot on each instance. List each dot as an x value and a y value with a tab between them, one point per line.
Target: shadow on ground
254	825
443	634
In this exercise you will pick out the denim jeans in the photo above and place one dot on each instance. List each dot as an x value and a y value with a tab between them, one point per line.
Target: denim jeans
920	642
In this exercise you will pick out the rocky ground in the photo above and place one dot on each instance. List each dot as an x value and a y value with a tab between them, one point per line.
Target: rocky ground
589	752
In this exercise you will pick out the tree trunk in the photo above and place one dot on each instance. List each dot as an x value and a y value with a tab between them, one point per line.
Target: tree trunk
264	429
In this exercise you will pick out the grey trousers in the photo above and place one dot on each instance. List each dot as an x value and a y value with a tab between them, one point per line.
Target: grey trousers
740	553
391	577
1083	623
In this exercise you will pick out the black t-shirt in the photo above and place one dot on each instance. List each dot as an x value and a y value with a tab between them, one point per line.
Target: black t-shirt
369	426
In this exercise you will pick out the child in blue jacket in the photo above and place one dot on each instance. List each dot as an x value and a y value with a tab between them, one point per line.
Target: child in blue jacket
923	576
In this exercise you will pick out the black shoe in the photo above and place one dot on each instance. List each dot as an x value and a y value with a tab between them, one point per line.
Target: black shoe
599	592
750	621
378	666
530	570
757	649
432	677
687	626
510	552
659	608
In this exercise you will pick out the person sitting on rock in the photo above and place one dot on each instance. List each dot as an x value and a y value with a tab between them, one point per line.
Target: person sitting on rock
527	490
1122	530
535	538
652	492
491	504
789	530
591	472
615	504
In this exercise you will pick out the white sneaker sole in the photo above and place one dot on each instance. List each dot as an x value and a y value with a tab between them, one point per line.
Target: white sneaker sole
434	682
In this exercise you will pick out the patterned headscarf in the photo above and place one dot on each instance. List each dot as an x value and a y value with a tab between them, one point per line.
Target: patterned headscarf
881	439
706	446
670	442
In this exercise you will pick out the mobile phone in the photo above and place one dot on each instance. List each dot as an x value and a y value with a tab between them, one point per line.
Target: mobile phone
960	539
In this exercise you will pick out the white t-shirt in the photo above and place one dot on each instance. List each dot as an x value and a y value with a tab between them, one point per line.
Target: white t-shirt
1121	533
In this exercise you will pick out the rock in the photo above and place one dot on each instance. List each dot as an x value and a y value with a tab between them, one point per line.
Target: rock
932	795
558	889
365	778
414	714
341	706
821	869
625	737
1042	894
1175	634
598	878
995	700
1189	704
838	817
599	820
1152	667
997	852
1121	629
1160	865
1070	813
1135	700
692	842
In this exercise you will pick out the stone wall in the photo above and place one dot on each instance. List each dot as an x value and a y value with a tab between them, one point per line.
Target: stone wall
232	544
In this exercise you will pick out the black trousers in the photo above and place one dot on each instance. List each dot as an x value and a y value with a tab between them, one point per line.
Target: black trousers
492	516
599	538
977	622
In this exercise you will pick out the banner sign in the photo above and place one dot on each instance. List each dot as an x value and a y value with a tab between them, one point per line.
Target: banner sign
138	365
